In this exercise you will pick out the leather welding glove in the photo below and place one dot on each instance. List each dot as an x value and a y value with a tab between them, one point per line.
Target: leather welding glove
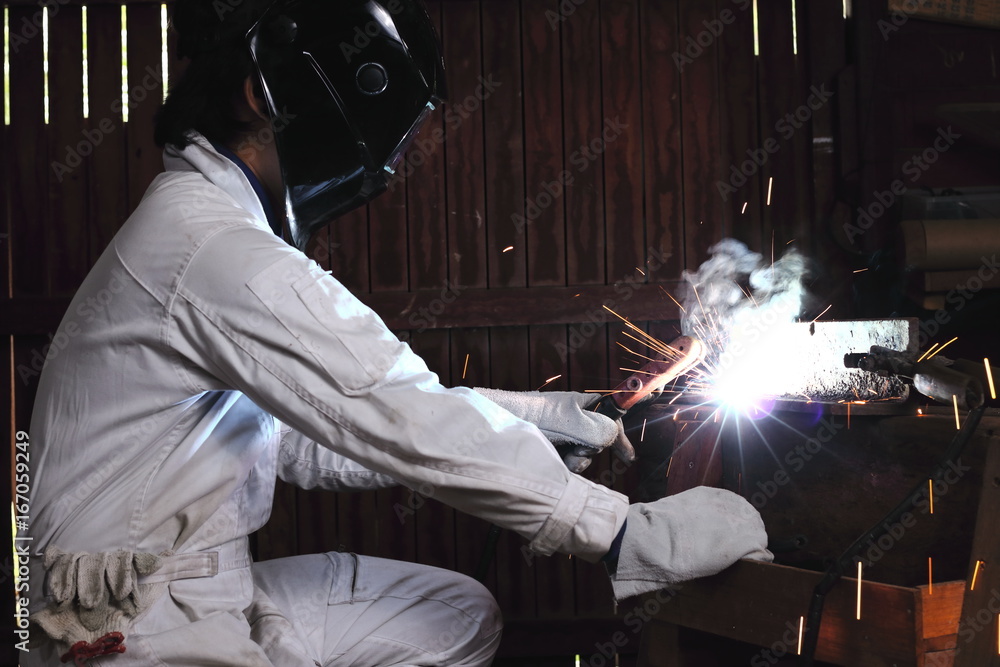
565	419
693	534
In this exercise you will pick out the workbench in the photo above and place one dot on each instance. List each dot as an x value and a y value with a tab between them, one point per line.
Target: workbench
821	476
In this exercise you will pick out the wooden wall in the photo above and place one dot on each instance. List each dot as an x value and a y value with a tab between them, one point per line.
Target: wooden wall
671	99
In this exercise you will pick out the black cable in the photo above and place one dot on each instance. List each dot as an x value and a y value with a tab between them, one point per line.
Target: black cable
834	572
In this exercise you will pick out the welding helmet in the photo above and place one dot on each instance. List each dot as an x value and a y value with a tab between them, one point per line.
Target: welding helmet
348	84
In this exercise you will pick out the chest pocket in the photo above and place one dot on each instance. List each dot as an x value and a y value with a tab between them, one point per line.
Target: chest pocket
339	333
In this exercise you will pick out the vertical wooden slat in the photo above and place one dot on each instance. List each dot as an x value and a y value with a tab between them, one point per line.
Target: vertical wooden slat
546	178
784	120
581	73
28	175
28	186
108	178
66	237
739	125
464	145
504	141
618	142
703	210
145	85
662	121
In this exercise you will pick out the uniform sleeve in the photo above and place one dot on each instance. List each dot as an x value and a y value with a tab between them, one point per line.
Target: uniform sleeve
253	314
309	465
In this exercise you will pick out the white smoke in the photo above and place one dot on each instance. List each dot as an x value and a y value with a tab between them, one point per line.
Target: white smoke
741	307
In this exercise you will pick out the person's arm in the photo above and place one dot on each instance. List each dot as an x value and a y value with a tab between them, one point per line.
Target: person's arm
255	315
309	465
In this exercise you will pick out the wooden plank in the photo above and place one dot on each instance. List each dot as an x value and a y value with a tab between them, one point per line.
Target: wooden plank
106	164
465	186
703	207
66	231
546	175
584	199
28	175
618	143
739	122
661	133
145	86
426	309
349	244
978	631
762	603
942	608
279	537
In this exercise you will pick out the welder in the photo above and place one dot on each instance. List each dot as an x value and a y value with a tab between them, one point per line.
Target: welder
229	358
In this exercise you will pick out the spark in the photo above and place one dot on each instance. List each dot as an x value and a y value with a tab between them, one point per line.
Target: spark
942	347
848	415
930	493
989	376
927	352
670	462
673	299
466	367
802	625
770	183
790	242
920	413
859	592
975	573
641	272
744	207
508	248
861	270
642	435
930	577
550	380
958	424
823	313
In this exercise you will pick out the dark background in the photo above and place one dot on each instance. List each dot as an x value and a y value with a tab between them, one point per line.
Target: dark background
430	255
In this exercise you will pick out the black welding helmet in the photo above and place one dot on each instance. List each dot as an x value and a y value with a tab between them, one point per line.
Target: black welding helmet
348	83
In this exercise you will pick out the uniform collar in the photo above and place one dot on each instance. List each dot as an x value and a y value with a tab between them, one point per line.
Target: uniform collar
227	172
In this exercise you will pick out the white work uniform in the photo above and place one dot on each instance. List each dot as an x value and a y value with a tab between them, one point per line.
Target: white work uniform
203	356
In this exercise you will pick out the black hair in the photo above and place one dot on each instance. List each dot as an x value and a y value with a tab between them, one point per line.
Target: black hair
205	98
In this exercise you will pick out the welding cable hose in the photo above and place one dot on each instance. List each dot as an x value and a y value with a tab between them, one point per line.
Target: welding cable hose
833	574
567	419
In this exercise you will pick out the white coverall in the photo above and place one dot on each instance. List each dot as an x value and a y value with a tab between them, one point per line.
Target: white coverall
204	356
